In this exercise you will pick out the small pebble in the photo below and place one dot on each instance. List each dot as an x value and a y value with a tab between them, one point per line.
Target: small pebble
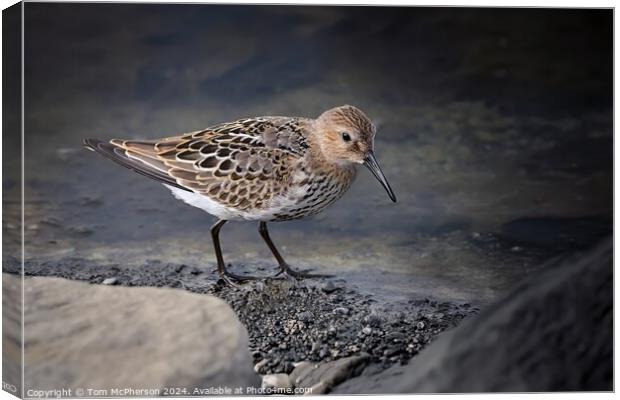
391	351
259	365
315	347
329	287
305	316
341	311
373	320
109	281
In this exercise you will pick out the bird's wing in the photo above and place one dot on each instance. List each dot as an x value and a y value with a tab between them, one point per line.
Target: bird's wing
283	133
241	164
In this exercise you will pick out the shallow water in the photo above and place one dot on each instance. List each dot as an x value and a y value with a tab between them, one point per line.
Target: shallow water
496	139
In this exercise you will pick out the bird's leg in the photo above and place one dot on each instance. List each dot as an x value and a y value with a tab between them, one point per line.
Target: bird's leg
284	267
226	276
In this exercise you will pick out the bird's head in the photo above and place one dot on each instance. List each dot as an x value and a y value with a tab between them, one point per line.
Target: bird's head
346	136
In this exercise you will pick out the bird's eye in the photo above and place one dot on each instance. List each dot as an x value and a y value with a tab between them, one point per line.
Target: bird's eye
346	137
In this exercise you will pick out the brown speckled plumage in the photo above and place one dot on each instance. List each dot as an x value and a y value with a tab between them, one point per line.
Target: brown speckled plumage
242	164
262	168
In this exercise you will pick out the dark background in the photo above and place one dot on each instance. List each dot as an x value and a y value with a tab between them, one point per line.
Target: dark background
495	131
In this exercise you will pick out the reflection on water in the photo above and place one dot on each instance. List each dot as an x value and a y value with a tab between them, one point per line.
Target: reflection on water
481	124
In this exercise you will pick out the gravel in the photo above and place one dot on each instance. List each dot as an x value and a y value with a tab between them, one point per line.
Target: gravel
289	322
317	320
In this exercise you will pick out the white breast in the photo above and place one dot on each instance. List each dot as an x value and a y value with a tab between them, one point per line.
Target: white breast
278	205
204	203
300	200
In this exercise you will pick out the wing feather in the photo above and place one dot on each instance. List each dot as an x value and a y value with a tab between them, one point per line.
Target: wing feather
115	154
241	164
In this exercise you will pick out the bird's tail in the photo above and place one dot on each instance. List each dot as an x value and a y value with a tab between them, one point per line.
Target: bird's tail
120	155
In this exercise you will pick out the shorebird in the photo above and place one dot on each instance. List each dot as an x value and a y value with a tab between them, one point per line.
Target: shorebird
263	169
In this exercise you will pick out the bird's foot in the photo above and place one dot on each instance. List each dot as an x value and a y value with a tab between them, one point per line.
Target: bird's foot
235	280
298	274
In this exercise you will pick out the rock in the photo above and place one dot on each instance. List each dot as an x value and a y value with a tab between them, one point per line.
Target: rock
373	320
144	338
301	369
315	347
367	330
552	332
109	281
341	311
319	388
391	351
395	337
276	381
259	365
272	310
329	287
305	316
11	334
322	377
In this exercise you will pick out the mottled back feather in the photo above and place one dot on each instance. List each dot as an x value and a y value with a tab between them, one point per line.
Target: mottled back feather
241	164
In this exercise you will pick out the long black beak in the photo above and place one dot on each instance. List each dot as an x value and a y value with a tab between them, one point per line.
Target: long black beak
371	162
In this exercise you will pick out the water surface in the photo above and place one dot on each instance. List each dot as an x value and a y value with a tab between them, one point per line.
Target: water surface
496	139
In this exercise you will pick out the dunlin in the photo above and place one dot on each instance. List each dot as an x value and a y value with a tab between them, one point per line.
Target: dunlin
260	169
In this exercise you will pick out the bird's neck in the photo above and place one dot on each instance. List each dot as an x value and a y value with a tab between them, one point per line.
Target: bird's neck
318	162
317	154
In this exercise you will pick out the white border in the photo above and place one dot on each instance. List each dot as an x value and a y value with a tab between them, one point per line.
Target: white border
546	3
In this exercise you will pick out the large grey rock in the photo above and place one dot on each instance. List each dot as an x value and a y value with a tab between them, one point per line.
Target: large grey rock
11	334
321	378
103	337
553	332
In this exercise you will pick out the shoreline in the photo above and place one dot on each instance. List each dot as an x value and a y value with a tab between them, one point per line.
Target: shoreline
290	322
